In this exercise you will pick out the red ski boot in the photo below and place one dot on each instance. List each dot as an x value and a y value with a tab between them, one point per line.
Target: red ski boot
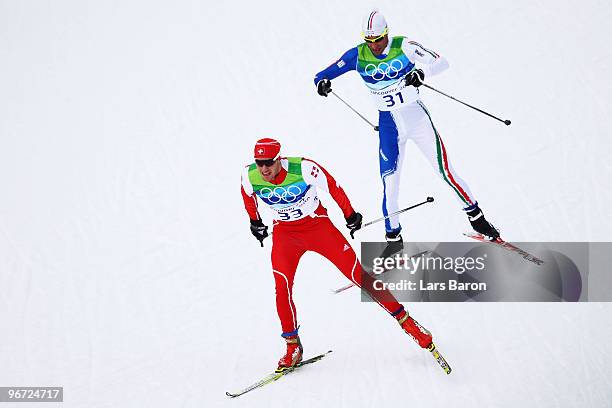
293	354
420	334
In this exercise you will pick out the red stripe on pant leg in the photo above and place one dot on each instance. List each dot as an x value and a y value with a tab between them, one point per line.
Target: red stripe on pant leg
450	176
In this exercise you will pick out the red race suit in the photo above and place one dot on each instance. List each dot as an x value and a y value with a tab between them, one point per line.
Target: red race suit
311	231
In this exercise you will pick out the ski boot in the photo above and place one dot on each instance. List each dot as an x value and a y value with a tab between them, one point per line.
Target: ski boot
395	244
293	355
423	338
481	225
418	333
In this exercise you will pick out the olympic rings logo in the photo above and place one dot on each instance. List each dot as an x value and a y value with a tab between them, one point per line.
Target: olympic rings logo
288	195
378	72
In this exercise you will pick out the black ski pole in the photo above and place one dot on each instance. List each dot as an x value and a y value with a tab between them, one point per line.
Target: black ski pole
506	122
359	114
429	200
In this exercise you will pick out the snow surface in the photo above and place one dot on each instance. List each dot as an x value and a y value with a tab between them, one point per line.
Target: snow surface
127	272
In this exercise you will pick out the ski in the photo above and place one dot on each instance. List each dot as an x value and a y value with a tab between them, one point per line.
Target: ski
441	360
401	262
505	245
278	373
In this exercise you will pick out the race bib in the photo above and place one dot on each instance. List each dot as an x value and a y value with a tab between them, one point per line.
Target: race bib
394	97
292	202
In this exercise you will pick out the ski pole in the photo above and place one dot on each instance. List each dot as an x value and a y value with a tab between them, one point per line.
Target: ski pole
351	108
506	122
350	285
428	200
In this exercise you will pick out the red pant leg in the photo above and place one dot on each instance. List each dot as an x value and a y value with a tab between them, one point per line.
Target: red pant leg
288	247
326	240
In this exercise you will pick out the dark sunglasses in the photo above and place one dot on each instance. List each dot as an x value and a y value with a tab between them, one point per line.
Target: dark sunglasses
266	162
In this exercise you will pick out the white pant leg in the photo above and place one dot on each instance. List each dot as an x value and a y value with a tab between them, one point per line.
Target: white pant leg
424	134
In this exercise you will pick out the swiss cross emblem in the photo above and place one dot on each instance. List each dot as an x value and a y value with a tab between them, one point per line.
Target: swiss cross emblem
314	172
260	151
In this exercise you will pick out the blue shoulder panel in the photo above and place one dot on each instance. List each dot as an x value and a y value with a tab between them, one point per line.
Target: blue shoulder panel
346	63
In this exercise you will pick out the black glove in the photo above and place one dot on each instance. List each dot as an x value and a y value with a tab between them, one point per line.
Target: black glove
259	230
415	78
324	87
353	222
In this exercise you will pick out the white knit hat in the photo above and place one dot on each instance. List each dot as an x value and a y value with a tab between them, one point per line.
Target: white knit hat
374	24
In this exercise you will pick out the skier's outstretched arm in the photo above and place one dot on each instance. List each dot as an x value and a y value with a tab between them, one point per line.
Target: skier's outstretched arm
429	61
346	63
314	174
248	196
258	228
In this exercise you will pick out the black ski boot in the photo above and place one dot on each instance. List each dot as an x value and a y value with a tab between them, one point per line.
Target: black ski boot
481	225
395	244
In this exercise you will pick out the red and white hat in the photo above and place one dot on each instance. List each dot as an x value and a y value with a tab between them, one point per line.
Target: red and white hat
373	24
267	149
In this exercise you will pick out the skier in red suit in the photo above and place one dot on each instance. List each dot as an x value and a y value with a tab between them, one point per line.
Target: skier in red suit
289	186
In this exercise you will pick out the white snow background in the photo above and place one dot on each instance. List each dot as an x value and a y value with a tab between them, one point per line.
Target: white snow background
127	271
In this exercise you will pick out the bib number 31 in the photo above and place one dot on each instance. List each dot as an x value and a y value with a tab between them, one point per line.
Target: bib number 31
390	100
